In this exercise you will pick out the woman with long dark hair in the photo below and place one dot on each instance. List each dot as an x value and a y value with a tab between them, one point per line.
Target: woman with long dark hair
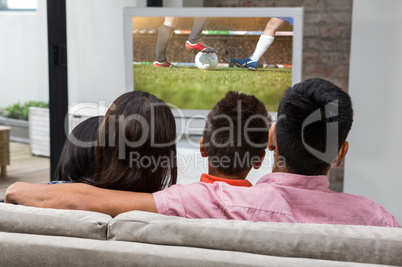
135	148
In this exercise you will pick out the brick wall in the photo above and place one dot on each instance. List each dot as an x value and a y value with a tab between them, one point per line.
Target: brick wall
326	44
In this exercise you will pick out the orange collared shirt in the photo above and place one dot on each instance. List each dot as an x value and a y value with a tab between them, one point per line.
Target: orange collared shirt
209	179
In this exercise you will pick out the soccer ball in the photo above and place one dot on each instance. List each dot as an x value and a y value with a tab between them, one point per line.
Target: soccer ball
206	61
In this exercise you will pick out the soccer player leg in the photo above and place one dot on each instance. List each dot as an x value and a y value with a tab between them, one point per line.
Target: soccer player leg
164	35
267	38
265	41
194	40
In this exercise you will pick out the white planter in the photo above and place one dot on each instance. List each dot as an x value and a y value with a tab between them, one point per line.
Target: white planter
39	131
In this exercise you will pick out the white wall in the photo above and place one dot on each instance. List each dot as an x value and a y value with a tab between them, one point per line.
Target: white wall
373	165
96	49
23	56
95	52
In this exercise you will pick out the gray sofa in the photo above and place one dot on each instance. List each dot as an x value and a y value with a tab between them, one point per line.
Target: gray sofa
48	237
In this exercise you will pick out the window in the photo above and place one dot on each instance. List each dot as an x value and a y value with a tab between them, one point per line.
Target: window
18	5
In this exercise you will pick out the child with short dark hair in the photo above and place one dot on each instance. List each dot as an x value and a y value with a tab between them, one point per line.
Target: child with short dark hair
235	138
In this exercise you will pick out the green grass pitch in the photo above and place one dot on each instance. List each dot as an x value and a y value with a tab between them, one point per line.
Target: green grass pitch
192	88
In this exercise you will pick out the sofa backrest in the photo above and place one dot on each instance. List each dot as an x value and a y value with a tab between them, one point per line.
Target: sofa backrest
72	223
349	243
359	244
26	250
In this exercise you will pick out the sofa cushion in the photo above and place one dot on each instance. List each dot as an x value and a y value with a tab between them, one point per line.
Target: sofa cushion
74	223
365	244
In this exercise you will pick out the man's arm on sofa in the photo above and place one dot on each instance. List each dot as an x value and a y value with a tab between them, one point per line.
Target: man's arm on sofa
79	196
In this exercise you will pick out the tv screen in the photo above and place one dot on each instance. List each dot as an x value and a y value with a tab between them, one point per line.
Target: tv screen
161	54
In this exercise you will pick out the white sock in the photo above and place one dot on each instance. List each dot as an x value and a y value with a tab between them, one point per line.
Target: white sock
263	44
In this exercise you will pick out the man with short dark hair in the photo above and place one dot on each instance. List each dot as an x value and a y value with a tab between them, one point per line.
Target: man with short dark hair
314	118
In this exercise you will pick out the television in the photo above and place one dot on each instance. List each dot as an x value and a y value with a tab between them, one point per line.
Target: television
192	92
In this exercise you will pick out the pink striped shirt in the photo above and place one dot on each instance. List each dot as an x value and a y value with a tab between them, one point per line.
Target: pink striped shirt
276	197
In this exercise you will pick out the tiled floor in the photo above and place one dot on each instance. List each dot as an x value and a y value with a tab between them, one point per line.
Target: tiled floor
24	167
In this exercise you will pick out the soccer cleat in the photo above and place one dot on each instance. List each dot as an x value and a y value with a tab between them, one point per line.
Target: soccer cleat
164	64
200	46
245	63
